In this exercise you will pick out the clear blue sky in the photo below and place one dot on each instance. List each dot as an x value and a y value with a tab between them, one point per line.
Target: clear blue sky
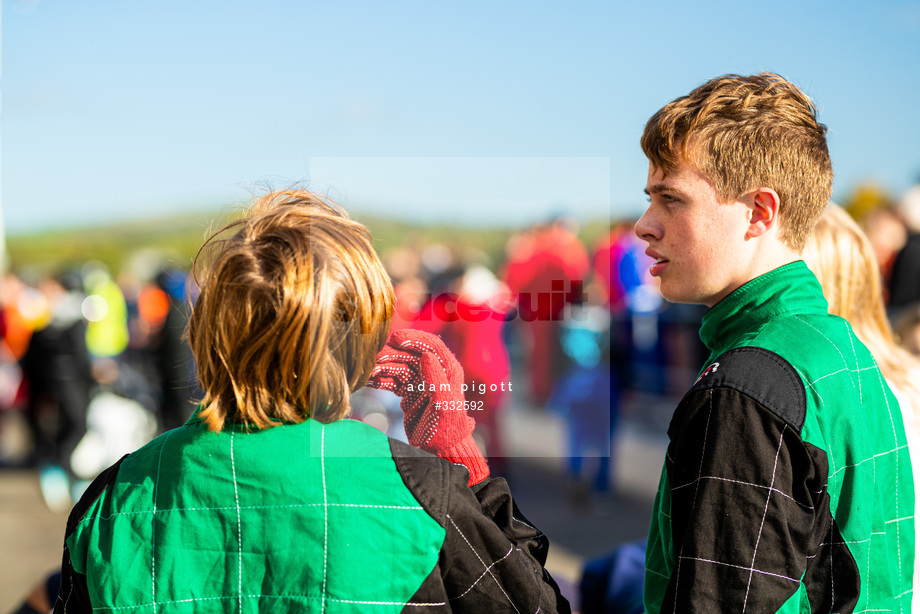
467	112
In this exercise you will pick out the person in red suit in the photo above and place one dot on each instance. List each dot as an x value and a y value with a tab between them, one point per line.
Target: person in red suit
545	269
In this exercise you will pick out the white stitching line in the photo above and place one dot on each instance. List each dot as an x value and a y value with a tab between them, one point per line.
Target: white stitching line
153	528
871	458
402	603
869	547
483	564
322	464
239	522
538	531
820	332
461	595
844	370
843	543
760	571
254	507
66	601
856	359
298	597
895	520
802	376
695	493
770	488
764	519
897	471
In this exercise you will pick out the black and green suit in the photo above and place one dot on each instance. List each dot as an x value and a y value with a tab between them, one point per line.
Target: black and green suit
309	517
787	485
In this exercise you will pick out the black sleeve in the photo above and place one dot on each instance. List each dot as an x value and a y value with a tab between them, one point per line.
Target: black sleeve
492	559
73	595
741	510
530	544
749	507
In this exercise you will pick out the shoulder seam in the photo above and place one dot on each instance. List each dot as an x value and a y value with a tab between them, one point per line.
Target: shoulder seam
763	375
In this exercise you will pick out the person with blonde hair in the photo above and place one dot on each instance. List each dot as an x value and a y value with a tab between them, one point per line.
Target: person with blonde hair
787	483
268	499
843	259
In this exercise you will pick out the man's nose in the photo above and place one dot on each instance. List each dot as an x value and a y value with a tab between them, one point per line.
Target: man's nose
645	227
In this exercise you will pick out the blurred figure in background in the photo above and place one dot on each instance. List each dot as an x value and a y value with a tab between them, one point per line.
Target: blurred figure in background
15	331
404	264
612	583
57	368
605	263
904	284
637	351
907	328
545	268
172	356
107	314
842	258
605	267
586	395
887	233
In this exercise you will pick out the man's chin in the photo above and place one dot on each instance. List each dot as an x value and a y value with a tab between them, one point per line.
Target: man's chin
678	295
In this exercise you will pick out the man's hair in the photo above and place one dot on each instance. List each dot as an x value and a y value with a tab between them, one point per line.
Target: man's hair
294	306
748	132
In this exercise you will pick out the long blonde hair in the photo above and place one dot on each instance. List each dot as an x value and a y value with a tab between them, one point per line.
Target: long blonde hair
842	258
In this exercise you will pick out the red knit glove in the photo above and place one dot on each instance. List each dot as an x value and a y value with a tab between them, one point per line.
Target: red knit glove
418	367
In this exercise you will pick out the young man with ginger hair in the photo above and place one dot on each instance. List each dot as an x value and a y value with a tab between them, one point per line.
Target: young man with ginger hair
787	483
268	499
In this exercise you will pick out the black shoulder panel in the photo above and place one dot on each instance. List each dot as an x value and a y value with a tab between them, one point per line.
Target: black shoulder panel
426	476
764	376
93	492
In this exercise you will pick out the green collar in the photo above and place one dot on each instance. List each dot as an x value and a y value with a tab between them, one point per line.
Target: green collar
195	418
791	289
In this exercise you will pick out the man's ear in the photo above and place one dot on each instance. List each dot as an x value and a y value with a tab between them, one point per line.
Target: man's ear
764	211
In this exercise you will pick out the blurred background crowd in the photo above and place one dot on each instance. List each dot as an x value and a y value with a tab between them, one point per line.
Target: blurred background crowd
94	362
92	367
